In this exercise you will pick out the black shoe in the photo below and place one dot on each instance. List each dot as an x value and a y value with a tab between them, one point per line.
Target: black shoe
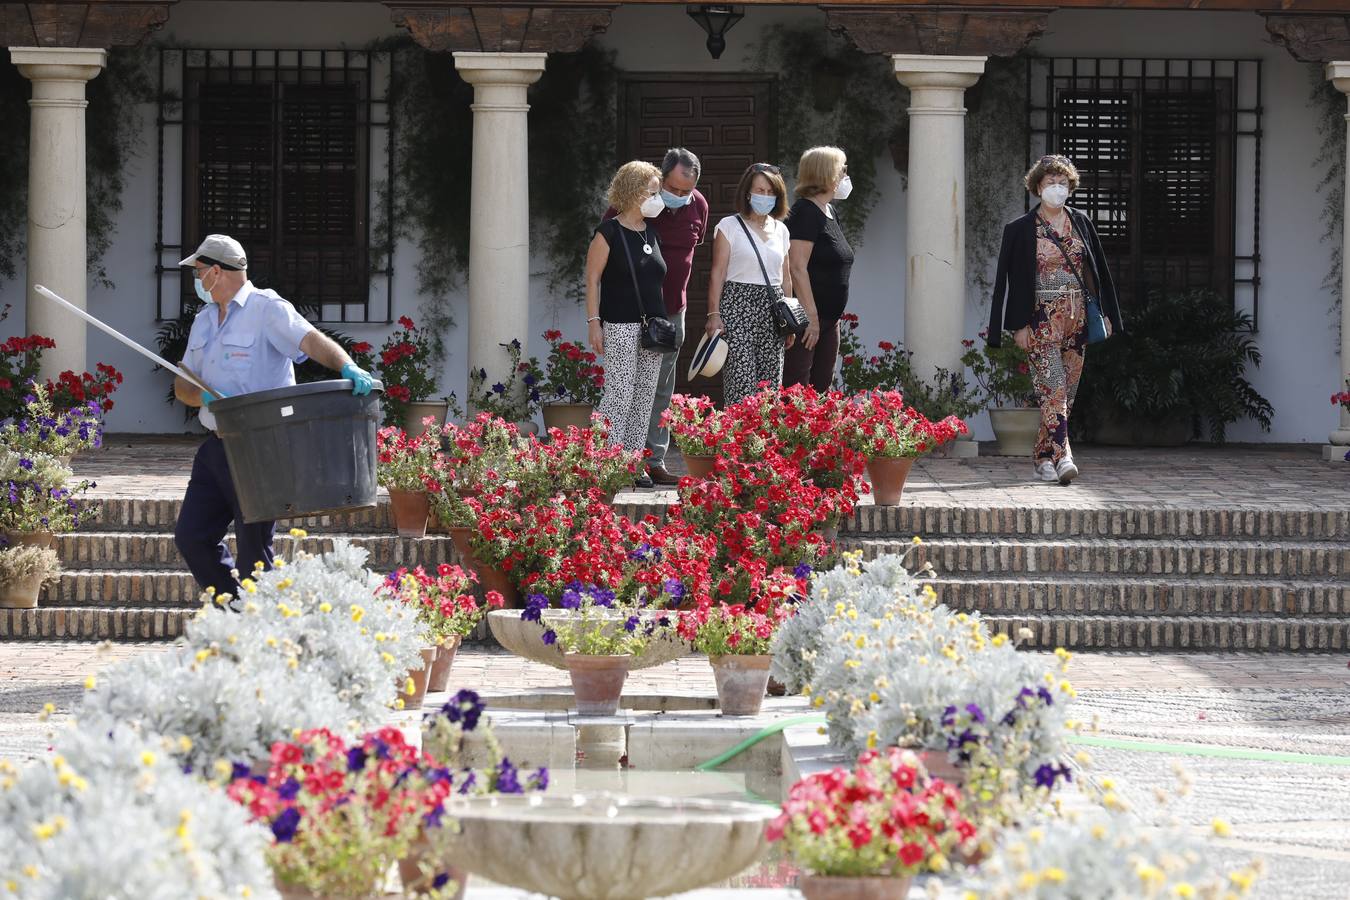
643	481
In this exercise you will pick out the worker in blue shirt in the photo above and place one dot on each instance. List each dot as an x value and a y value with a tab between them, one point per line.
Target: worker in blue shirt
244	340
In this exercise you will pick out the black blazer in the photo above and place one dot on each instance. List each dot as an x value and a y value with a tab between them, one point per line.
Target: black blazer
1015	283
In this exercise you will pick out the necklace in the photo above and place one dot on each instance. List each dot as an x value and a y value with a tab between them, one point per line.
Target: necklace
646	241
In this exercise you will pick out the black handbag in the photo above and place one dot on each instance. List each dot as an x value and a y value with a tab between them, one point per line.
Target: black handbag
658	333
1092	306
787	312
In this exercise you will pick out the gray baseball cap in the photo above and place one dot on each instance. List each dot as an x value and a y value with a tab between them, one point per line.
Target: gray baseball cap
219	250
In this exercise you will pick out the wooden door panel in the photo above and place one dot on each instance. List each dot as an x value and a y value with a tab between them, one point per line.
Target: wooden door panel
728	125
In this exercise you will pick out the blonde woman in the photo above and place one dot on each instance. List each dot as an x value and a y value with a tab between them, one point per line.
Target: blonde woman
624	274
749	272
821	260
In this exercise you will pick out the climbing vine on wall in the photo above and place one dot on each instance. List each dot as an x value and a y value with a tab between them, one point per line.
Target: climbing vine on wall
113	136
996	141
1330	105
829	93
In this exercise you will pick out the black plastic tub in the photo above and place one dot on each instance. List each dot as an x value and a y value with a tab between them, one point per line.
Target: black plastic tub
301	450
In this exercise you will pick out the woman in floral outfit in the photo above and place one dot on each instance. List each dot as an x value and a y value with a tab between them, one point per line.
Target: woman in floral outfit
1047	257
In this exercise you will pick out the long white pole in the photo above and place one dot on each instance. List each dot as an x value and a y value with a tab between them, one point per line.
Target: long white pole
108	329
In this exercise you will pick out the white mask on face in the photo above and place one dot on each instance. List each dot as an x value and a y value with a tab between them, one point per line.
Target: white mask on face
844	189
652	206
1056	195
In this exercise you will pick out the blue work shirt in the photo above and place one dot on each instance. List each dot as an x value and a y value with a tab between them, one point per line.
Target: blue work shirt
254	349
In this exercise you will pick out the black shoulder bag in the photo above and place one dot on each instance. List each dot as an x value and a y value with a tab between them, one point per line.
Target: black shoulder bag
658	333
788	315
1092	307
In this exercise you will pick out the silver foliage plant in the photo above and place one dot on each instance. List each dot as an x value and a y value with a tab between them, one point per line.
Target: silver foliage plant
110	816
312	646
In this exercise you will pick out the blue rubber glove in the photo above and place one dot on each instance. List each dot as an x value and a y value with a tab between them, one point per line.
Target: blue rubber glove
361	380
207	397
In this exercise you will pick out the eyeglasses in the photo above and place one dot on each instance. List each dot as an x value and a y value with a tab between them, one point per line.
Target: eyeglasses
1053	158
765	167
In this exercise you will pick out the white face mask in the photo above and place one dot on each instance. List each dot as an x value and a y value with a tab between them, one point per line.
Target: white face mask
652	206
1055	196
844	189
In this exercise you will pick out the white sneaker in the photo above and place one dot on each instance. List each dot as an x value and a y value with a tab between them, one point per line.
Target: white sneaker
1045	471
1066	470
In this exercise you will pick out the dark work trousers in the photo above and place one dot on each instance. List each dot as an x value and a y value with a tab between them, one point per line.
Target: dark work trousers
815	366
209	506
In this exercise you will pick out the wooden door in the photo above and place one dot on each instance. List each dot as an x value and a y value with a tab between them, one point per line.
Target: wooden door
728	125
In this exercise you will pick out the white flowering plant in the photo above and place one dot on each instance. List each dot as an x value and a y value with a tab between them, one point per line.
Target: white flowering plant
108	815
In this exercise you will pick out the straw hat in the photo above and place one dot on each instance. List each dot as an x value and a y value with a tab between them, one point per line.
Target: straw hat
709	356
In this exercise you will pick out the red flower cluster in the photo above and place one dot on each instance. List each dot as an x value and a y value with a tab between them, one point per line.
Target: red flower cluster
71	390
1342	398
20	360
571	373
405	368
882	425
443	601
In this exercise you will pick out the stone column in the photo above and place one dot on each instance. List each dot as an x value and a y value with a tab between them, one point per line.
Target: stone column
499	217
935	285
57	255
1339	74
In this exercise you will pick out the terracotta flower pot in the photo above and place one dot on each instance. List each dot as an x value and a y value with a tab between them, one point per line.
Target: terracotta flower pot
440	670
21	593
411	509
888	474
494	579
838	887
459	536
741	683
412	419
419	680
699	466
565	415
415	882
41	539
939	766
597	682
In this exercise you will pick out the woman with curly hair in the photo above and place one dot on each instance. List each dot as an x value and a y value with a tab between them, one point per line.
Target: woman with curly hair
624	274
1049	257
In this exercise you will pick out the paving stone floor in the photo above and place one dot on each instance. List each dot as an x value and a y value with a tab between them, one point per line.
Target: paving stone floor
1293	815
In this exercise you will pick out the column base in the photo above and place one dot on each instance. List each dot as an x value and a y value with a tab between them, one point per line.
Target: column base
1335	453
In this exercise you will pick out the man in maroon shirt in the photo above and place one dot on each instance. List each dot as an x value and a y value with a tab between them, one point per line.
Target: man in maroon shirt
680	227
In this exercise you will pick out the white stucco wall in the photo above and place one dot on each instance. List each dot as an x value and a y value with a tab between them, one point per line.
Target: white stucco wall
1297	337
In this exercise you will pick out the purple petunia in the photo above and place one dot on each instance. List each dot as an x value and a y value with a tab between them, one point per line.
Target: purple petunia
508	780
289	788
803	570
284	825
550	637
356	759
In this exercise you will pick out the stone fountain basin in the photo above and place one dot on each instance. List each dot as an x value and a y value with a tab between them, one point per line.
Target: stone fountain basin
606	846
526	639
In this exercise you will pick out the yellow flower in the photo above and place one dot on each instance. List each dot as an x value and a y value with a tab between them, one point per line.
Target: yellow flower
223	768
871	740
1184	889
1111	801
270	641
1027	881
184	744
202	655
408	686
47	710
248	585
1221	828
30	870
916	540
43	830
325	607
999	640
1241	880
398	703
148	758
379	637
292	663
1108	784
183	818
284	583
1149	873
1053	875
818	702
89	683
938	863
1098	831
357	613
299	533
852	663
388	658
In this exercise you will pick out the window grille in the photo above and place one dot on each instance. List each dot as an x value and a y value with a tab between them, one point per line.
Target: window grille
278	150
1169	153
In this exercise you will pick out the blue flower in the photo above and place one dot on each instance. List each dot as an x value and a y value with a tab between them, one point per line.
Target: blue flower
508	781
631	625
465	708
530	380
26	464
284	825
470	779
949	716
534	608
356	759
976	714
1048	774
803	570
550	637
499	388
571	599
540	780
1045	695
441	880
289	788
674	588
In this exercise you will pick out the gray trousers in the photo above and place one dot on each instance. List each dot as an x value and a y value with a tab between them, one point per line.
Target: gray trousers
658	438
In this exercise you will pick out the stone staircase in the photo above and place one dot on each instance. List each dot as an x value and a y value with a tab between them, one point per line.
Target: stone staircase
1137	577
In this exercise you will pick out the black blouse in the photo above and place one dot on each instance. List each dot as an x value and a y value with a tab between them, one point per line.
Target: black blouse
618	303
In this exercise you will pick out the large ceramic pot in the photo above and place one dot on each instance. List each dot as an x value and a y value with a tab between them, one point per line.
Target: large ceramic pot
41	539
440	669
418	677
526	639
699	466
412	419
888	474
741	683
21	593
411	510
838	887
494	579
527	428
597	682
1015	429
565	415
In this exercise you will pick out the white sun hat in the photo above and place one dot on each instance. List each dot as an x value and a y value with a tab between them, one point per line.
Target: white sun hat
709	356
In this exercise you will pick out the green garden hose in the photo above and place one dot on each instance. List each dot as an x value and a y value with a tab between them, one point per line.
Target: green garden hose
754	739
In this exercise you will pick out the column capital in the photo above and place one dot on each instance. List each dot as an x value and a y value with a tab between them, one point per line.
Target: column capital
110	23
500	68
1311	37
938	30
1338	73
925	71
58	63
469	26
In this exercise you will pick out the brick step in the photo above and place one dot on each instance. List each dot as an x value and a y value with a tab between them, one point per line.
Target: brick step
123	514
149	551
1108	556
74	623
1073	595
1177	633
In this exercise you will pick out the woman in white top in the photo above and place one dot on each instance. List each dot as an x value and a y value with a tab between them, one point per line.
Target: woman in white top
749	272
